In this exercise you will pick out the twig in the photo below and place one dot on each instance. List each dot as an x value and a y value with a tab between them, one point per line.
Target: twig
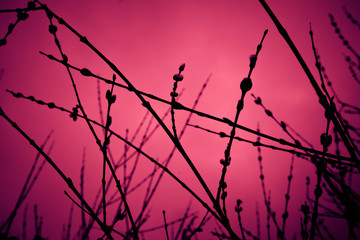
321	168
287	197
245	86
24	223
177	78
199	228
345	42
238	210
258	221
110	100
330	158
82	173
174	148
166	227
69	223
266	199
318	66
282	124
182	222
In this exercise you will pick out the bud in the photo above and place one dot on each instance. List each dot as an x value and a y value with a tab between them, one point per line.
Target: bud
52	29
22	15
108	95
325	140
258	101
305	209
178	77
224	162
120	215
223	185
2	42
31	5
222	134
224	195
245	85
172	94
51	105
238	209
269	113
10	28
253	59
182	67
86	72
61	21
112	99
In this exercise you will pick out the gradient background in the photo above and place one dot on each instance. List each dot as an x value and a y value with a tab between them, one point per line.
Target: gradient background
148	40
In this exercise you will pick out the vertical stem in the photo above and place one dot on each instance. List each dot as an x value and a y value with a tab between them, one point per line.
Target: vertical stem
166	227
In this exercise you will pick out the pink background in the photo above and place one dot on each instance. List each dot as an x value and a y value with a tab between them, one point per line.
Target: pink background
148	40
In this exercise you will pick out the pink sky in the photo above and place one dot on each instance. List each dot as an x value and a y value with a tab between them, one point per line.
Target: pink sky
147	41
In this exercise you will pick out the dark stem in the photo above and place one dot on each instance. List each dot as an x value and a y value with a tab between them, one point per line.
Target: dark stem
166	227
